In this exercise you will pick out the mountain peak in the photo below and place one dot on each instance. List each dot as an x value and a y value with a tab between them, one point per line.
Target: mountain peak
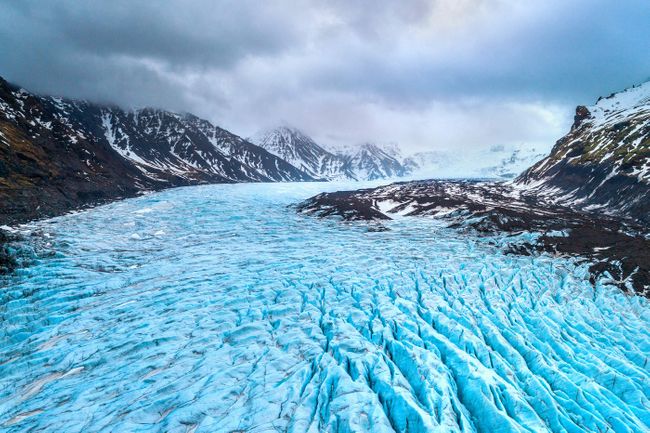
367	161
300	150
604	160
582	113
283	135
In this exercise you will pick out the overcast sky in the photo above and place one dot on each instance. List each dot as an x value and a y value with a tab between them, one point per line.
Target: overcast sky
441	74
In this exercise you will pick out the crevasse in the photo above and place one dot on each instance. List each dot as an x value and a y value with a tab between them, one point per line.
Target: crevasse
219	309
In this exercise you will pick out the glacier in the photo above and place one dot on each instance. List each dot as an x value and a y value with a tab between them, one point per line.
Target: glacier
220	309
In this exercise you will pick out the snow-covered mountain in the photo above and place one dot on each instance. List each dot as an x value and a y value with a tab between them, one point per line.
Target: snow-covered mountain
303	152
498	162
189	147
604	161
389	148
364	162
56	153
370	161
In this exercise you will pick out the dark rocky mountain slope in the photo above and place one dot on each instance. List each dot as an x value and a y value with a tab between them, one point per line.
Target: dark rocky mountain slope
603	163
58	154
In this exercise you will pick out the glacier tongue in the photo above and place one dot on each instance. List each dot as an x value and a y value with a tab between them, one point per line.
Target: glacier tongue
230	312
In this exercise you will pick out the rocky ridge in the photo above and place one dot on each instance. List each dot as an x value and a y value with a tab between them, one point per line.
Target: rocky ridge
603	163
58	154
589	198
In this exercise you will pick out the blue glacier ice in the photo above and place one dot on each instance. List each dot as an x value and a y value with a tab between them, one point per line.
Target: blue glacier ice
220	309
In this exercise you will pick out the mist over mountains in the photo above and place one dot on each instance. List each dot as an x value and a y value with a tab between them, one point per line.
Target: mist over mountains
81	153
372	161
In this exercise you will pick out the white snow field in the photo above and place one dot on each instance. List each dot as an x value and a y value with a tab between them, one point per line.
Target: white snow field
219	309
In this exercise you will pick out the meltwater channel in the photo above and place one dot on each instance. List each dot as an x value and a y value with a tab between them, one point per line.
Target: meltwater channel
220	309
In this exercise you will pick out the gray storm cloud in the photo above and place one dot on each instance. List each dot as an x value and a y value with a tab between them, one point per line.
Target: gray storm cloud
452	74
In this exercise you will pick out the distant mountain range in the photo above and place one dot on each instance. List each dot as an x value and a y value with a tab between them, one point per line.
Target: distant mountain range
302	152
365	162
369	161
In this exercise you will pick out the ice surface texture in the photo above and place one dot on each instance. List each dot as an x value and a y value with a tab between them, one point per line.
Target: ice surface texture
219	309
